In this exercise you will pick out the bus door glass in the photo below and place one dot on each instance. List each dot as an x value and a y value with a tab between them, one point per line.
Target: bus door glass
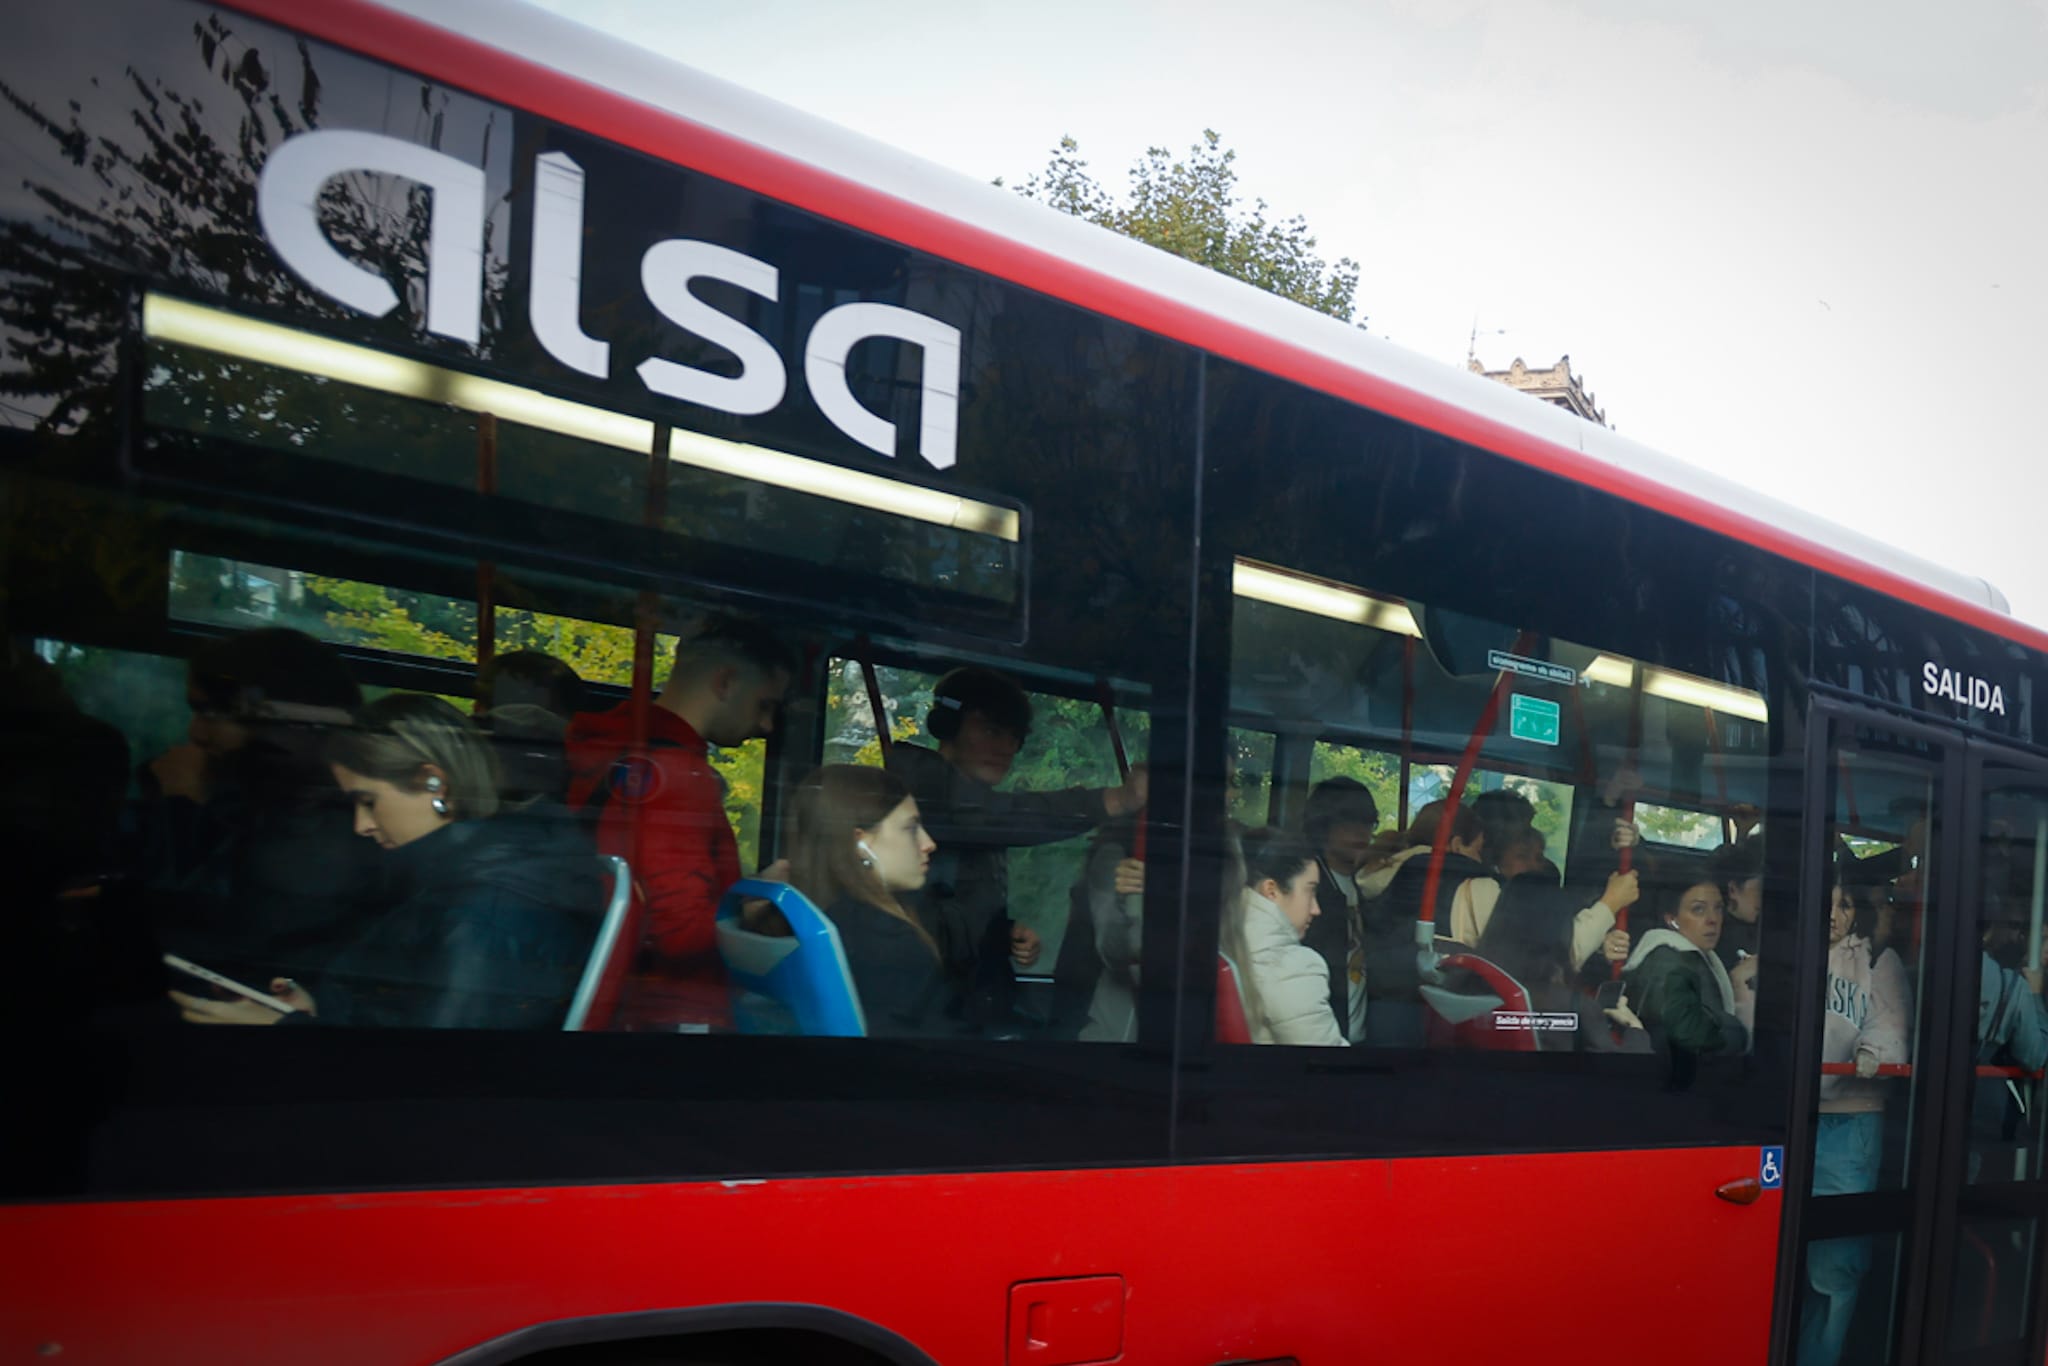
1993	1283
1921	1237
1877	895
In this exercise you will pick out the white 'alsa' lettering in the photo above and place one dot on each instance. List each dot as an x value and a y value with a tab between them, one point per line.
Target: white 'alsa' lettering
665	273
555	300
1978	694
288	206
825	371
287	203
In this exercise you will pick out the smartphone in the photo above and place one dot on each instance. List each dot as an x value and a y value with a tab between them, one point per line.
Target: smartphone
262	998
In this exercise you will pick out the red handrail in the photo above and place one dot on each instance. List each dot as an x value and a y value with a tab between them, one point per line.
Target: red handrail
1440	845
1905	1069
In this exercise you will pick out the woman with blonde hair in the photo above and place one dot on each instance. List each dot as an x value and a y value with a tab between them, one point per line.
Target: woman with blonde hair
856	843
491	915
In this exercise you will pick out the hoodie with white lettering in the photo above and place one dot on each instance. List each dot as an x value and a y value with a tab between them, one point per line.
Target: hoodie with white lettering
1869	1007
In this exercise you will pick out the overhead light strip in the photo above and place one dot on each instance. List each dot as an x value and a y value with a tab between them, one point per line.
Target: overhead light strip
1321	597
228	334
1673	686
1340	602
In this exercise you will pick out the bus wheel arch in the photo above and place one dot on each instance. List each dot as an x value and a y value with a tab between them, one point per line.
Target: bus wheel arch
720	1335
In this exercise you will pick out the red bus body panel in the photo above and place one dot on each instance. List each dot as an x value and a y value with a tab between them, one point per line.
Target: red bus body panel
1532	1259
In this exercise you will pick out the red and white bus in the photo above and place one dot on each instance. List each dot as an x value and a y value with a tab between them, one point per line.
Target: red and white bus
427	332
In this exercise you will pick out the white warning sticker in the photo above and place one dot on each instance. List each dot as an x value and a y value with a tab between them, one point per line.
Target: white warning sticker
1541	1021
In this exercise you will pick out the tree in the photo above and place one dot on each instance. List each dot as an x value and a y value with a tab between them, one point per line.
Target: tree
1192	208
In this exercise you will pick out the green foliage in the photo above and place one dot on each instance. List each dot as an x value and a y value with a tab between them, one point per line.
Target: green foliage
1191	207
1675	825
1380	772
167	181
346	611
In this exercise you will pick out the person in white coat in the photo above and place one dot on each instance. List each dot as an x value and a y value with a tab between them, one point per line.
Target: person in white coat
1286	984
1868	1023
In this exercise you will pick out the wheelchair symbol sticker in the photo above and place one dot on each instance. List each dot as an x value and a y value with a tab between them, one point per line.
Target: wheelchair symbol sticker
1771	1169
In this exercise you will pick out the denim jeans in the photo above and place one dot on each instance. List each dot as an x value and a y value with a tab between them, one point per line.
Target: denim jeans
1846	1150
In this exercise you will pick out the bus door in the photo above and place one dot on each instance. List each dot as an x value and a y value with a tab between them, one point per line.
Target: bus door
1919	1239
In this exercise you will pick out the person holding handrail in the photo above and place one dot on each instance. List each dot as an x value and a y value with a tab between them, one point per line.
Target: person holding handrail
1677	988
1869	1005
980	719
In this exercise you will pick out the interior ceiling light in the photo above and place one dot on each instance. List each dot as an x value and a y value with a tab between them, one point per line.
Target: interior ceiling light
183	323
1322	597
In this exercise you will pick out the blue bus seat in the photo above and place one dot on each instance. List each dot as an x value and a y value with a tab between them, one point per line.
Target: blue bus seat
797	983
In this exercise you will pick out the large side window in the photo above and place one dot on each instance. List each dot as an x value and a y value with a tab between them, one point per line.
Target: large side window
1519	817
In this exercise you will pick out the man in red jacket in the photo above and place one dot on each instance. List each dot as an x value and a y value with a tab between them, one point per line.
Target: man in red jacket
663	810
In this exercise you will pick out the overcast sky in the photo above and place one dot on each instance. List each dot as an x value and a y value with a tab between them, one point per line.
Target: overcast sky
1805	245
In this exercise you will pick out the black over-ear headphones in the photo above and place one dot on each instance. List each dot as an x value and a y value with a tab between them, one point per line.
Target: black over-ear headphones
942	722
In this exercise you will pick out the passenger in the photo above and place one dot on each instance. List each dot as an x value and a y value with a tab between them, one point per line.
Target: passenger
980	719
63	776
1869	1006
1740	868
1383	858
71	933
70	926
857	844
1114	885
492	916
524	701
664	811
1521	851
1503	815
1339	822
1544	925
2012	1022
1393	971
1529	938
241	840
1286	984
1677	988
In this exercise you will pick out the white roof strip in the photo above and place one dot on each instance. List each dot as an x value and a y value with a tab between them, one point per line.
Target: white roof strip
608	63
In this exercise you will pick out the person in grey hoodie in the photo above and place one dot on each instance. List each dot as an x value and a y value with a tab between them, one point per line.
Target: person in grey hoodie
1869	1006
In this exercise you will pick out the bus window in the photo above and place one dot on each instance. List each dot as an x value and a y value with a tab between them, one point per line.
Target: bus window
1498	914
1251	770
1055	877
1676	826
1549	802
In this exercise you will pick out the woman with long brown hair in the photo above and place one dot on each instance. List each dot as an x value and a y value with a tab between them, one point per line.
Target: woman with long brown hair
857	842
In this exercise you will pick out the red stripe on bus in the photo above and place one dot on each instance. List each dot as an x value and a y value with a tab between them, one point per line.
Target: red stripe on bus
515	81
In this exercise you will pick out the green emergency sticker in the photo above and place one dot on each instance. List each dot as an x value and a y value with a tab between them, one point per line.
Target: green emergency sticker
1534	719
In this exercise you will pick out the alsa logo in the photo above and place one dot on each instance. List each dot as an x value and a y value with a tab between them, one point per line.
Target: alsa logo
1975	693
287	204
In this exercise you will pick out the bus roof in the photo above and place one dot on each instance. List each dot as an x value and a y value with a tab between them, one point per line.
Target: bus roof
613	87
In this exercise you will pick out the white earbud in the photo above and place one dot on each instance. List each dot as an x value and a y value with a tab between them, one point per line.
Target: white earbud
867	855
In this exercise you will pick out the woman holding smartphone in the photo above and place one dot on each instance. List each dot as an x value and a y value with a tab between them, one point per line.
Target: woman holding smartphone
490	916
